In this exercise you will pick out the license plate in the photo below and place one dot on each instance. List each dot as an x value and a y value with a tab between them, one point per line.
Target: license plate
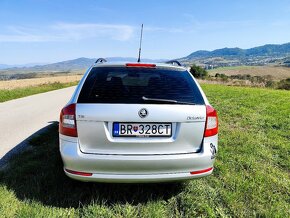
142	129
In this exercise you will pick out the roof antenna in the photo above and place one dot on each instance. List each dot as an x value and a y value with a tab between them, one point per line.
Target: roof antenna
140	44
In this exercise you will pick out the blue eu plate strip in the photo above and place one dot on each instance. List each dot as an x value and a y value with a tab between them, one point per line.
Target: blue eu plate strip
116	129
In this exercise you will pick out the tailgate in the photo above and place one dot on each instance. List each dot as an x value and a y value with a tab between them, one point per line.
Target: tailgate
95	124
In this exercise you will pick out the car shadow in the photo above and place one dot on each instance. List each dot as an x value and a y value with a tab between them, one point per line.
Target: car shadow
22	145
36	174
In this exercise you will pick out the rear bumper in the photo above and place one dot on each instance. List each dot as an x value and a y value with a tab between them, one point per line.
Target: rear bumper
136	178
136	168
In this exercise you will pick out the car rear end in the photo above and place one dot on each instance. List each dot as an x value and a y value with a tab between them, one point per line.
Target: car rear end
138	123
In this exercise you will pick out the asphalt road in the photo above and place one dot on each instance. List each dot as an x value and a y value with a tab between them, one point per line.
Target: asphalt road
21	118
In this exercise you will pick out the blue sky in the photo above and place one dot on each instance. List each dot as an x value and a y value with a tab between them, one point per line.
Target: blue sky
36	31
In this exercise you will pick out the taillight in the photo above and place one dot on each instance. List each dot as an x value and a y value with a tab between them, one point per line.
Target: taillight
211	124
67	121
141	65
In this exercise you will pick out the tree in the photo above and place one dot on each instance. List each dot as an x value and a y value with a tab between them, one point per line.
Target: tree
198	72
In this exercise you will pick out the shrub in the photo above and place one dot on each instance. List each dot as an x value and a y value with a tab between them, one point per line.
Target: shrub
198	72
257	79
270	84
284	84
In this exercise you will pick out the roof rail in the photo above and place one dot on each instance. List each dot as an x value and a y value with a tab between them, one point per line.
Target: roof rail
100	60
173	62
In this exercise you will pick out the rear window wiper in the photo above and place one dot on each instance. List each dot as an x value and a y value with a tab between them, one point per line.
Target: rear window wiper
162	100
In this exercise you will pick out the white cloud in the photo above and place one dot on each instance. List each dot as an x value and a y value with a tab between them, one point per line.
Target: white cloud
92	30
164	29
78	31
67	32
280	24
193	24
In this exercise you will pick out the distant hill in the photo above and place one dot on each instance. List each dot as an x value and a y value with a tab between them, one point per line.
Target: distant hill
4	66
75	64
265	50
130	59
259	56
274	55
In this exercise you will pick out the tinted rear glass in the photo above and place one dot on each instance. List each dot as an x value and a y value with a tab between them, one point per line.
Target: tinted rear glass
129	85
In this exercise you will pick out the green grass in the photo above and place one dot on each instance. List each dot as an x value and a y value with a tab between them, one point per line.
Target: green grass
251	176
6	95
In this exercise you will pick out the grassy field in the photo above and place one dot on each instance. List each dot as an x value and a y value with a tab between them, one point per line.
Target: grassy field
277	73
9	94
251	176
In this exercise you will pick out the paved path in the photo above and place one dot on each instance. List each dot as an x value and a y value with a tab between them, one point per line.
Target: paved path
22	117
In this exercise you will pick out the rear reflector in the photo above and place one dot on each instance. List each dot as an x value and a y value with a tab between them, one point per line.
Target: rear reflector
141	65
211	125
67	121
78	173
201	171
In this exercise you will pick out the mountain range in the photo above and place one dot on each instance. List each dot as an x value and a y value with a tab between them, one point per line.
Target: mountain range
6	66
260	55
260	51
75	64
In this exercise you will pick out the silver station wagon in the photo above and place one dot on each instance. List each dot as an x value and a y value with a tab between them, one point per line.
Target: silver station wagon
138	122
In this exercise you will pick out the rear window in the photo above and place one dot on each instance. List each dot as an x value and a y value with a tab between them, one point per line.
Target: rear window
131	85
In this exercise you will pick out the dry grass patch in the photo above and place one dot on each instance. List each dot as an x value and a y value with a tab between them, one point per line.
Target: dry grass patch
23	83
277	73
